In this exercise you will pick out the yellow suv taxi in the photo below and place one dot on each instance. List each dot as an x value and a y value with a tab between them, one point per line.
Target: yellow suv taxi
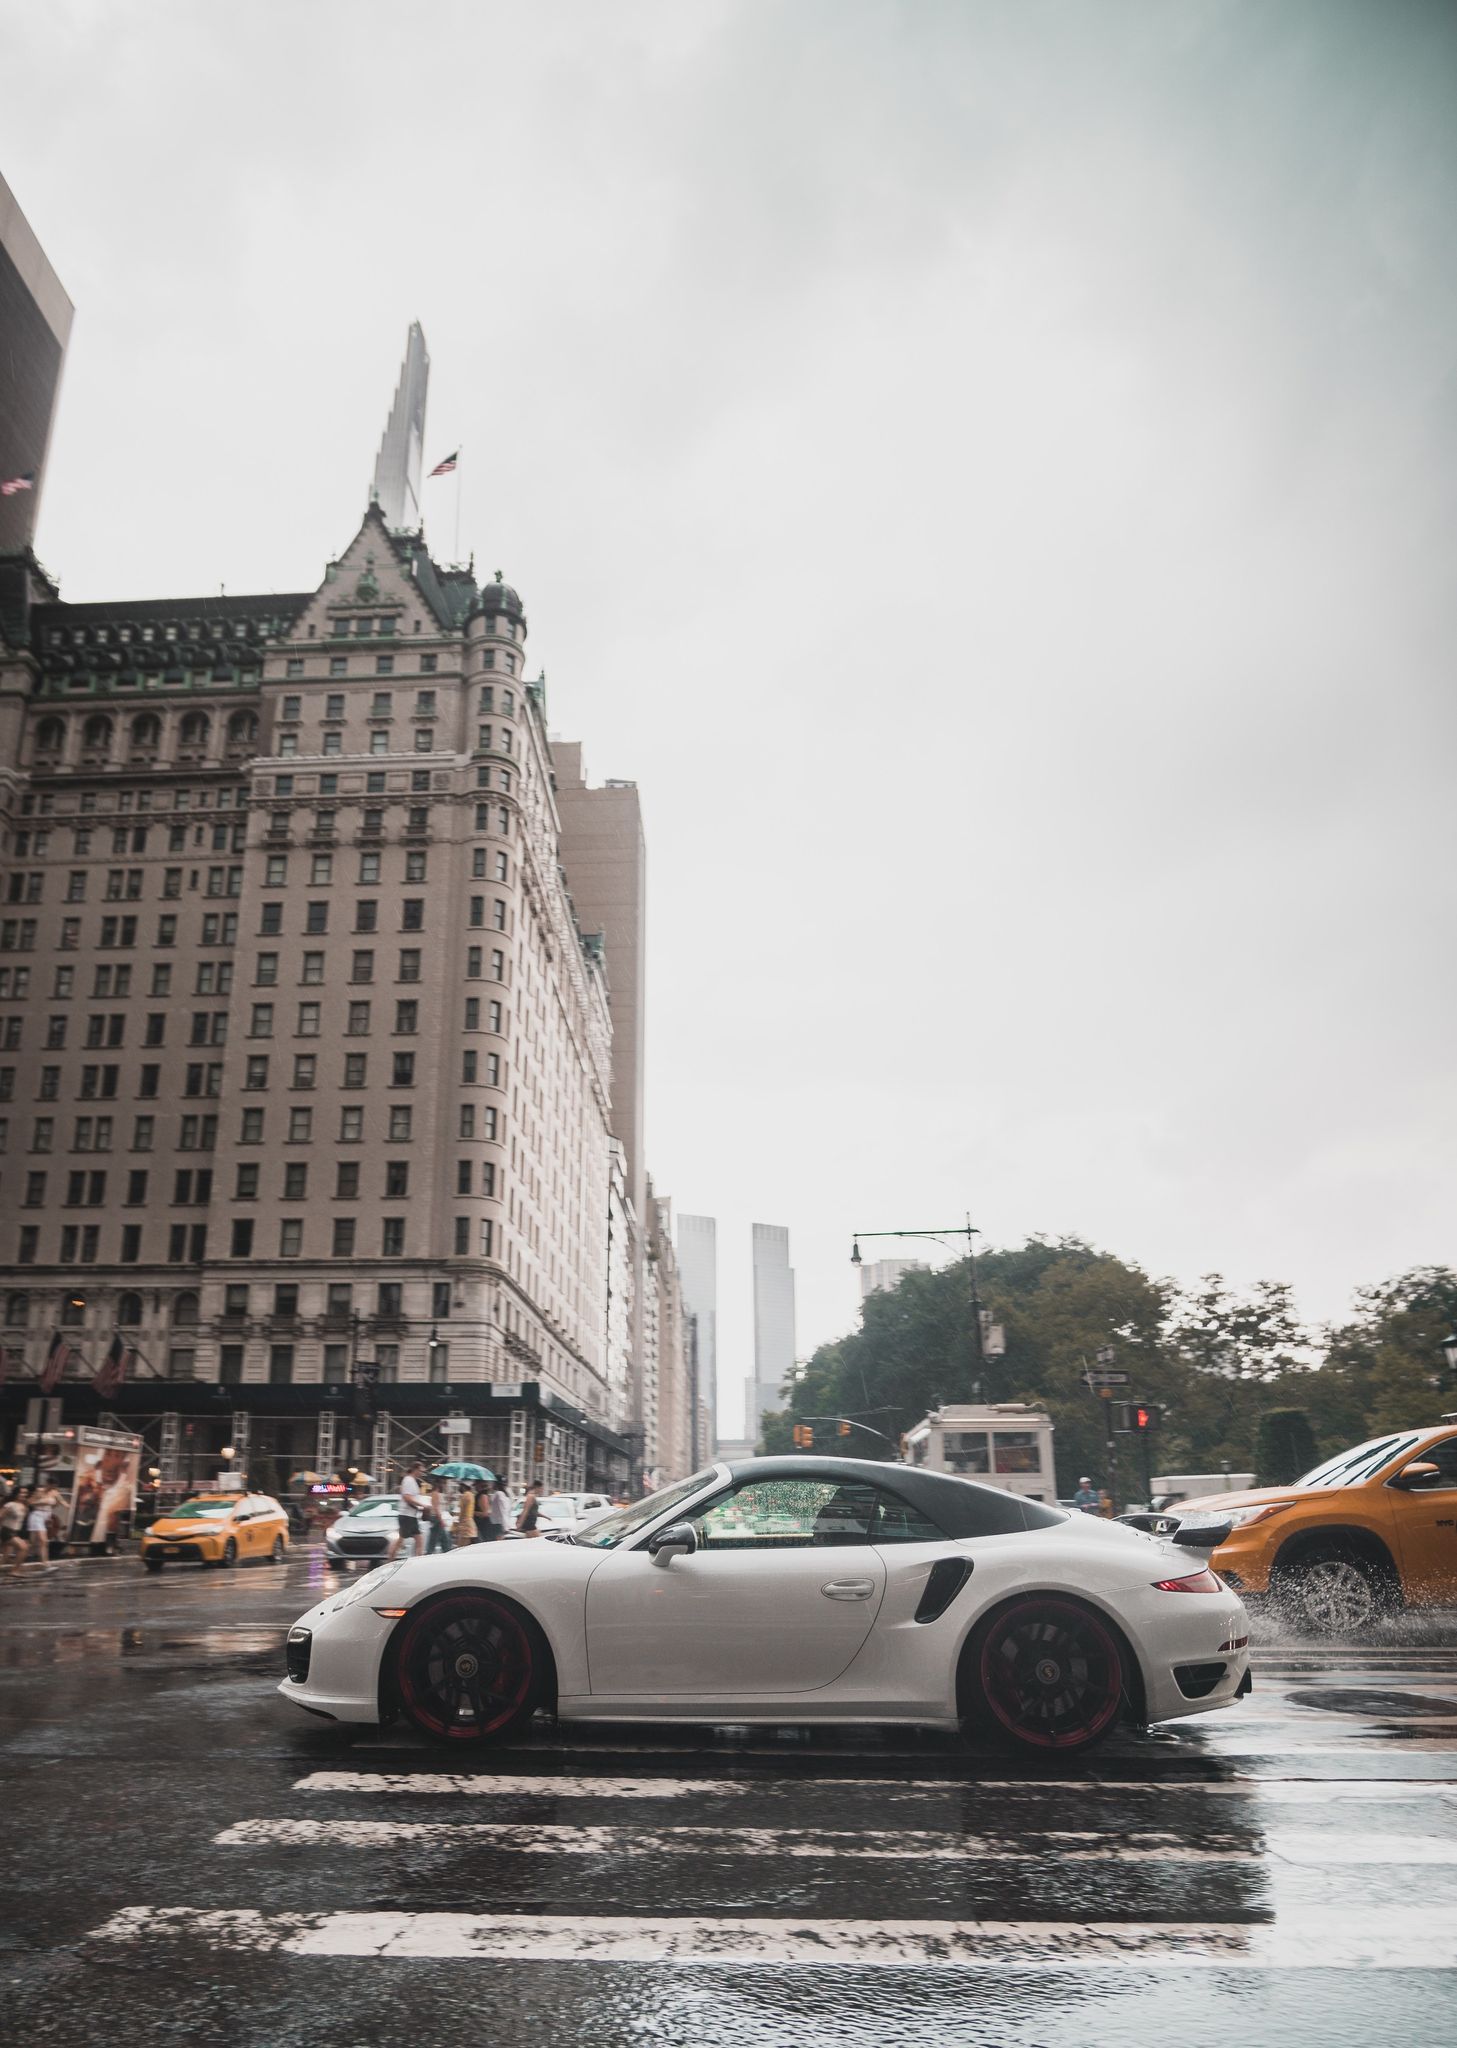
217	1528
1369	1531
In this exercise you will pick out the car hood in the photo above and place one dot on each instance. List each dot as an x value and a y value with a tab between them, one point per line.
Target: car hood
191	1526
1216	1504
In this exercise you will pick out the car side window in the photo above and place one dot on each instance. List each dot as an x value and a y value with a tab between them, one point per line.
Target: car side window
788	1514
899	1522
1444	1456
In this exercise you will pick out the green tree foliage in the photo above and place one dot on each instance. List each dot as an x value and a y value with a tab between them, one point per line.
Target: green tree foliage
1284	1446
1215	1360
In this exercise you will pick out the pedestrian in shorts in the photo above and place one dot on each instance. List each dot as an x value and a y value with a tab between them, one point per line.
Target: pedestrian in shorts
412	1500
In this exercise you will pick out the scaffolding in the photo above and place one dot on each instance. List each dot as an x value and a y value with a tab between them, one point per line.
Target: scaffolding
324	1454
169	1455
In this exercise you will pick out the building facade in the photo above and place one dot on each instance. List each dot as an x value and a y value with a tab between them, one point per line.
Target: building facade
883	1276
698	1273
35	319
305	1062
773	1324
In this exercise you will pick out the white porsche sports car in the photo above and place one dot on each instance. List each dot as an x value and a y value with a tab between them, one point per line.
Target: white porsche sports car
791	1589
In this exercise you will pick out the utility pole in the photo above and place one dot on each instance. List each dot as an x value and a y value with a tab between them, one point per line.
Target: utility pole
969	1231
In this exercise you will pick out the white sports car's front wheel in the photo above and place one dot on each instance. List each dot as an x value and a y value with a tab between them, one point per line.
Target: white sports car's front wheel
468	1668
1046	1673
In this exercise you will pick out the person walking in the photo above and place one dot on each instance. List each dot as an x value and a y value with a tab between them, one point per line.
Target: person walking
439	1536
465	1517
13	1546
40	1518
530	1508
412	1500
497	1515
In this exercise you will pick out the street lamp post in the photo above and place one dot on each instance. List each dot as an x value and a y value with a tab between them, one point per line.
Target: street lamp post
967	1230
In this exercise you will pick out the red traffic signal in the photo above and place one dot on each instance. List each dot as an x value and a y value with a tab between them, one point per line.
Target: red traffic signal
1139	1418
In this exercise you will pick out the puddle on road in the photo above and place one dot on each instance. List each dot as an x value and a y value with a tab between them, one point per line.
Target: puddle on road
150	1648
1377	1706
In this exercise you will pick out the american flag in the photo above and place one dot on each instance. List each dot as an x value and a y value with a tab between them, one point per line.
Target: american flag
12	484
55	1365
444	468
113	1368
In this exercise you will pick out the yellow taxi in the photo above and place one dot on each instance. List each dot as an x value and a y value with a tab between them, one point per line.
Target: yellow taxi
217	1528
1371	1530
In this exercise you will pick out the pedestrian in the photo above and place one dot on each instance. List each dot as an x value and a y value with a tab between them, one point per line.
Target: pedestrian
41	1521
526	1520
465	1518
412	1500
13	1546
1087	1500
439	1537
498	1513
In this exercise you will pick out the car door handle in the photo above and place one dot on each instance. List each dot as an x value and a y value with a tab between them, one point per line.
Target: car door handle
848	1589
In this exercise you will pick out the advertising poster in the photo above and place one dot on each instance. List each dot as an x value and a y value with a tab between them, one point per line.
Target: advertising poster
104	1494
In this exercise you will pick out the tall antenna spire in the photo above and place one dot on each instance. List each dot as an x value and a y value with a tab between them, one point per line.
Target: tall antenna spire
401	461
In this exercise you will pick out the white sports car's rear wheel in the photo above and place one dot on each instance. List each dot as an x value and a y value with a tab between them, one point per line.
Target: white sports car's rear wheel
1048	1674
468	1669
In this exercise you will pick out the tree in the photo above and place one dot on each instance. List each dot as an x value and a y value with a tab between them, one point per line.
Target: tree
1284	1446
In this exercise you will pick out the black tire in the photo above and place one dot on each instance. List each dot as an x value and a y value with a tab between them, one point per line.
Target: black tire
468	1668
1046	1674
152	1564
230	1554
1331	1589
275	1556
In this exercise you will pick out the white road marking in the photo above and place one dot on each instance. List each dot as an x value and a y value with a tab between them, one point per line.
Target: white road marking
829	1844
433	1784
1413	1938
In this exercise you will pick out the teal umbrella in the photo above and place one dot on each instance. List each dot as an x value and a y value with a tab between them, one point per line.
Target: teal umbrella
456	1469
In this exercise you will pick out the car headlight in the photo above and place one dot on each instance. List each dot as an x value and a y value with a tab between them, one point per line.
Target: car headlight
371	1583
1244	1518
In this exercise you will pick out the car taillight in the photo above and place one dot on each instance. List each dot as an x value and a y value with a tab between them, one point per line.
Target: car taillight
1197	1582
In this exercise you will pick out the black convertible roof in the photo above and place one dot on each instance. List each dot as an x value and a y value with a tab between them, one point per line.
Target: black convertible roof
958	1506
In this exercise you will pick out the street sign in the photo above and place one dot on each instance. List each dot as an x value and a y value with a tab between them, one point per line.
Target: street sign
1104	1378
455	1425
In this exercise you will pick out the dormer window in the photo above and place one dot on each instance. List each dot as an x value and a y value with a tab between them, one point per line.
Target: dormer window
363	628
387	626
340	628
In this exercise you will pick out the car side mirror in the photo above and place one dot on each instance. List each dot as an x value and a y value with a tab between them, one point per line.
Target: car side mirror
679	1539
1412	1478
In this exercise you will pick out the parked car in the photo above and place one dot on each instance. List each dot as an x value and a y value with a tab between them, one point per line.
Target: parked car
791	1589
1367	1532
217	1528
365	1532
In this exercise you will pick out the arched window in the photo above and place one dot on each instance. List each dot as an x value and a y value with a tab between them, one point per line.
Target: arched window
96	735
128	1311
146	731
184	1312
242	729
73	1311
17	1311
50	736
195	729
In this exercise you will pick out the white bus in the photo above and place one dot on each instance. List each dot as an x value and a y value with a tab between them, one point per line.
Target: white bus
1005	1444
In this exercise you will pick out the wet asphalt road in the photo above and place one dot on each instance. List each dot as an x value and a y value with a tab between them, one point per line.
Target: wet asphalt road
1285	1872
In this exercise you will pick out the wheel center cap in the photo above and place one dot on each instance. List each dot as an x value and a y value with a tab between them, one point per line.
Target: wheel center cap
466	1666
1048	1671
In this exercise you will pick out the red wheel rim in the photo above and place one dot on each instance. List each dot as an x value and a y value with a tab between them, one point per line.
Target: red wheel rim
465	1667
1051	1674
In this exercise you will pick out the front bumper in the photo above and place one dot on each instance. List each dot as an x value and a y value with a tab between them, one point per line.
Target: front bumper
1194	1649
346	1641
184	1550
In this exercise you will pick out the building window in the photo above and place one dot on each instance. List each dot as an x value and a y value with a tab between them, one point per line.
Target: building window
358	1025
473	963
250	1131
247	1184
379	743
354	1068
270	920
369	867
424	739
468	1068
384	665
429	663
241	1246
230	1365
313	969
346	1180
351	1127
463	1177
362	967
295	1181
403	1070
467	1120
392	1237
260	1023
255	1071
407	1015
338	664
401	1122
472	1013
305	1070
308	1020
396	1180
280	1364
321	869
343	1237
316	918
290	1237
366	916
462	1237
412	914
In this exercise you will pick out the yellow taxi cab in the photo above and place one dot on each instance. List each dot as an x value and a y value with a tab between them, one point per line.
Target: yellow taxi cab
217	1528
1369	1531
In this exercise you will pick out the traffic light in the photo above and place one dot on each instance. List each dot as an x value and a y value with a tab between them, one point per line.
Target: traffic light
804	1436
844	1429
1138	1418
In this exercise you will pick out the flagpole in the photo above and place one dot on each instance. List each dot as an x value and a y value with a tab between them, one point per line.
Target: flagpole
458	453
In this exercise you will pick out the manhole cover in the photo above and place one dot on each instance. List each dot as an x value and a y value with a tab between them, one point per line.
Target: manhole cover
1384	1706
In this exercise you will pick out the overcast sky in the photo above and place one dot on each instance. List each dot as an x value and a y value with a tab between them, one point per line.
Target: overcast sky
986	471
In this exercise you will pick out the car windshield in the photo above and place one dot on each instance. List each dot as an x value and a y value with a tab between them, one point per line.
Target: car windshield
610	1530
1350	1467
558	1510
374	1506
197	1510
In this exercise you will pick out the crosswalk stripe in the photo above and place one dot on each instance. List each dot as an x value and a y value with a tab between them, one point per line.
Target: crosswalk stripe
483	1785
1411	1938
880	1845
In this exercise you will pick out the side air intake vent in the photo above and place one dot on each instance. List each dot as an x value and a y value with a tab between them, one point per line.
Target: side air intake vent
948	1576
